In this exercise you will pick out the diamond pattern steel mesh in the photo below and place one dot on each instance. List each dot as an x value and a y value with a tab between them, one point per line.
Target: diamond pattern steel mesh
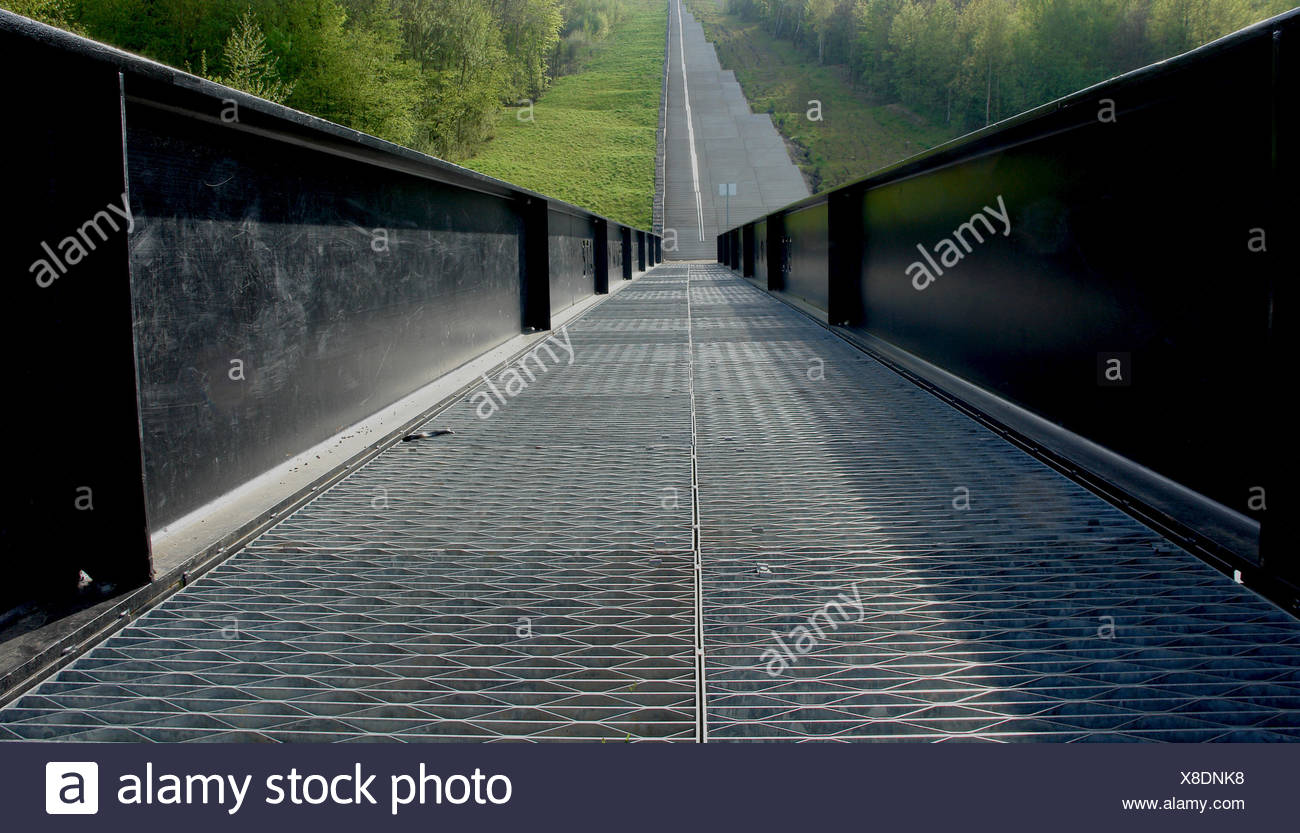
529	576
974	593
532	575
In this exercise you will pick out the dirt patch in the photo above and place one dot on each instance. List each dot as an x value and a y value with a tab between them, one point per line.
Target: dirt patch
802	158
911	116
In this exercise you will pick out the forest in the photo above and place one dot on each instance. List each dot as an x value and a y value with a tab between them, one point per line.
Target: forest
968	63
428	74
435	74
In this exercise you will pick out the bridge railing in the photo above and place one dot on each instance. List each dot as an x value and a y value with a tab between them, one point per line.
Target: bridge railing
204	284
1109	277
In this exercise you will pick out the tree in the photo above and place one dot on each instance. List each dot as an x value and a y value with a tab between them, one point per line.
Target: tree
1180	25
59	13
461	55
530	29
989	28
821	15
249	65
923	54
875	19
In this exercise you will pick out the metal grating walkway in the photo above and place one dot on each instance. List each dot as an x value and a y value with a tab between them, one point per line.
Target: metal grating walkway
531	576
981	595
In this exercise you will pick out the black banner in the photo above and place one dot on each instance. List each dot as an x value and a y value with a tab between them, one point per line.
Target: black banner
613	788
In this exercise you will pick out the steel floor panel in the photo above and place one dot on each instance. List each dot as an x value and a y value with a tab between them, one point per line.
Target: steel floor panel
537	421
877	566
528	576
532	575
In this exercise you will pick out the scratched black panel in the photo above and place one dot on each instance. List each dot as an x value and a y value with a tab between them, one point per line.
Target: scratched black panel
760	253
1125	240
809	251
747	252
572	253
1280	530
1139	233
614	238
340	287
778	252
69	334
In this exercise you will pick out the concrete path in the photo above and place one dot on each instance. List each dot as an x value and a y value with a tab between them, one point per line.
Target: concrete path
712	139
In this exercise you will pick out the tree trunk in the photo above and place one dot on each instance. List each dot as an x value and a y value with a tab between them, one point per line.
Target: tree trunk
988	94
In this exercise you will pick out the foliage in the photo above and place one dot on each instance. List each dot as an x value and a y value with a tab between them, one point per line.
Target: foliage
431	74
591	139
586	22
54	12
856	135
972	62
249	65
898	76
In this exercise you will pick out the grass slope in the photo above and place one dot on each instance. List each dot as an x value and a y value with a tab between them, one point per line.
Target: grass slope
854	138
592	140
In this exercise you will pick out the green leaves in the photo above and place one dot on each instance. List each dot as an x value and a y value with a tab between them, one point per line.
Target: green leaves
250	66
967	63
591	137
431	74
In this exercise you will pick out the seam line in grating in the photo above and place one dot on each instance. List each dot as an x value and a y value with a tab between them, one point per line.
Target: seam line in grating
702	723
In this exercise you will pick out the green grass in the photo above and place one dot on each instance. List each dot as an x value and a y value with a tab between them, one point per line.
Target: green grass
592	140
855	136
